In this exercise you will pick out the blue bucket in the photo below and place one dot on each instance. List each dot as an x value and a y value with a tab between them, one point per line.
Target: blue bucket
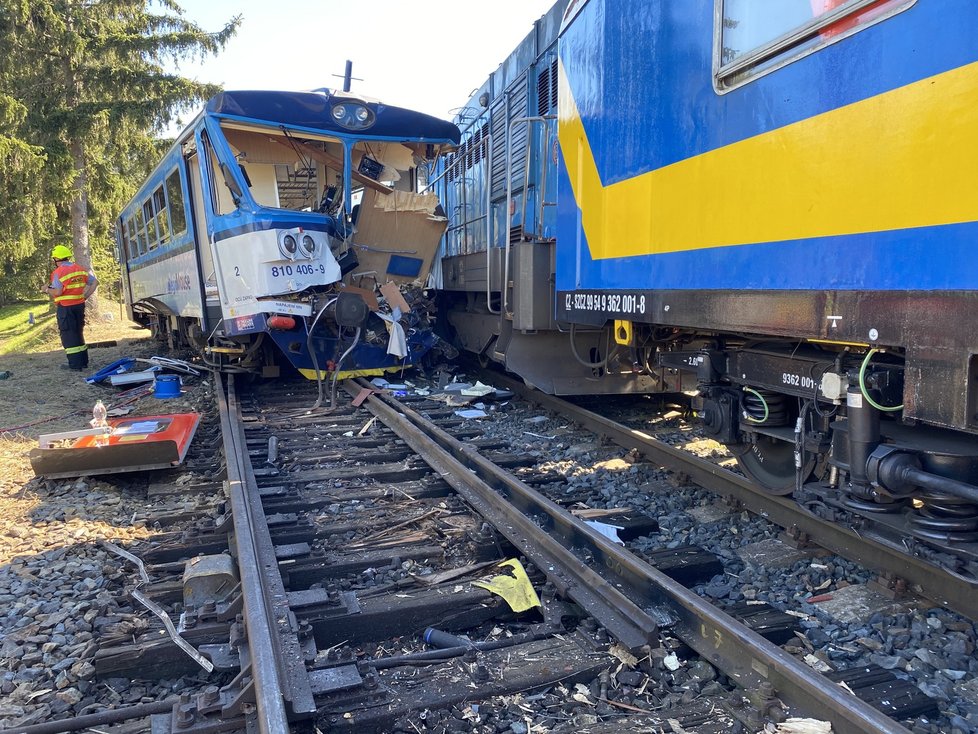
166	386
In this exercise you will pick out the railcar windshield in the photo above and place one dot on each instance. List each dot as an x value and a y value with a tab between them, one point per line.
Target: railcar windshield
291	170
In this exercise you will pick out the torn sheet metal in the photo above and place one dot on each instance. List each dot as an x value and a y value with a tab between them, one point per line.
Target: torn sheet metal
128	444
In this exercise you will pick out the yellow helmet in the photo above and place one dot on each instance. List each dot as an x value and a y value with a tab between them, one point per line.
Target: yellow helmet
60	252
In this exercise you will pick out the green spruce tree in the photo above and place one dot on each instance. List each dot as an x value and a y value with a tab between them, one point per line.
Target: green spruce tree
88	83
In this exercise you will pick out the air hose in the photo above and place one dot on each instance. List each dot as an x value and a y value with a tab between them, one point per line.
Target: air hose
865	392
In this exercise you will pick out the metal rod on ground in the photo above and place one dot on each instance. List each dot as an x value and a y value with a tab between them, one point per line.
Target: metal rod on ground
111	716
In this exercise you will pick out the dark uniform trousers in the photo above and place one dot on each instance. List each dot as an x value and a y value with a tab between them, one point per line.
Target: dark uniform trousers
71	322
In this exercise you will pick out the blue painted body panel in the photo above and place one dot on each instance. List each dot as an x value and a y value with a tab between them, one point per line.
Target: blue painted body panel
523	82
311	111
642	78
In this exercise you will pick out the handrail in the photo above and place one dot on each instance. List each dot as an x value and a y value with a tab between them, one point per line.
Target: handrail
488	141
504	306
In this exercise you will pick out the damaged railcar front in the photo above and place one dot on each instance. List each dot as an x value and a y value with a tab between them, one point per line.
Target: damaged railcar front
289	223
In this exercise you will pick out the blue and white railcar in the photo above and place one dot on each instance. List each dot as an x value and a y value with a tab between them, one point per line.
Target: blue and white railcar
273	223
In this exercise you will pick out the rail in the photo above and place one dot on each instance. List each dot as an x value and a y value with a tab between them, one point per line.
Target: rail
275	661
625	594
946	589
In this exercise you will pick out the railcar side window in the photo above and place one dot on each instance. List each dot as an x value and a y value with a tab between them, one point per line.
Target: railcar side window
758	36
149	217
162	219
131	240
174	194
140	232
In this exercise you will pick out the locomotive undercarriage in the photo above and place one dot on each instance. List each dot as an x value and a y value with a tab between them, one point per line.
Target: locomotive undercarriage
910	486
882	440
813	421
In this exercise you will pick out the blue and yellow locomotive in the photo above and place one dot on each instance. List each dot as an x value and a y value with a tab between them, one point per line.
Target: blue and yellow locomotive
770	202
289	224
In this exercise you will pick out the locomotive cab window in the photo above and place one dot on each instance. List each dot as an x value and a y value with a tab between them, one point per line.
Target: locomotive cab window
754	37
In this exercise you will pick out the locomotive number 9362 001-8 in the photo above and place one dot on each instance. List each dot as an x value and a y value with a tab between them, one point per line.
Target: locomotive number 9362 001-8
802	381
615	303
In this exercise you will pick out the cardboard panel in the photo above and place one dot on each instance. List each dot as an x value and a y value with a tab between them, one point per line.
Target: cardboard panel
397	236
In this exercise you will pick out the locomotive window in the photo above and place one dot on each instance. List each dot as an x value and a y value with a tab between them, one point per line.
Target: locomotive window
174	193
758	36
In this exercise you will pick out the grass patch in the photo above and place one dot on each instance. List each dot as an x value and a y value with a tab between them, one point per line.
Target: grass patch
18	335
15	319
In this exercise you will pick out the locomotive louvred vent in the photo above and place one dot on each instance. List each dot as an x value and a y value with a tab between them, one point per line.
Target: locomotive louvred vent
517	97
547	89
553	84
543	91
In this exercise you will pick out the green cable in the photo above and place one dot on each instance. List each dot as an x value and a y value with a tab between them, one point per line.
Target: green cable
760	397
865	392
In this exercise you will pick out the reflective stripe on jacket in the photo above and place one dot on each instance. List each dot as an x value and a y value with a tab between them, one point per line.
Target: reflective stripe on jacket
73	279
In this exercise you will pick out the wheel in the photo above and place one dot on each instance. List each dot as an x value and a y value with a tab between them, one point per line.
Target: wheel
770	463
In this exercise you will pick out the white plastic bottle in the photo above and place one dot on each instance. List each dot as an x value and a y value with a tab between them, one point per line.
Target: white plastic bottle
98	415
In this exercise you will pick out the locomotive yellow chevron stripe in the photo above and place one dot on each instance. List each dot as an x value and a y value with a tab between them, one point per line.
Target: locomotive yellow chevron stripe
906	158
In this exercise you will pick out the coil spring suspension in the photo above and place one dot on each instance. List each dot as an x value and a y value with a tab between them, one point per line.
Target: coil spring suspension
945	518
764	408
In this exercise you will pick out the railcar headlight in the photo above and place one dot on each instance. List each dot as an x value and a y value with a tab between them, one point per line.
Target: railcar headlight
353	115
308	245
288	246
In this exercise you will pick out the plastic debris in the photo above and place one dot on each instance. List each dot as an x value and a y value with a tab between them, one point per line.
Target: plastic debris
478	390
608	531
119	367
471	413
457	386
804	726
134	378
515	587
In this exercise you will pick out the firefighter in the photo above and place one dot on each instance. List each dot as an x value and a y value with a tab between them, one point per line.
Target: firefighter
70	286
